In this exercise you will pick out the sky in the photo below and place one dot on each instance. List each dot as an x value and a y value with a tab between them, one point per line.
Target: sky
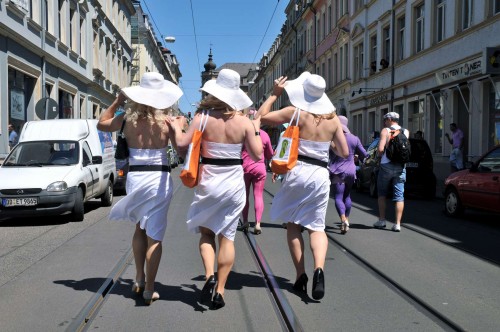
238	31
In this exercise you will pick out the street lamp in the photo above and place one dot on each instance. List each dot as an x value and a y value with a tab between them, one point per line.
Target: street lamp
169	39
365	89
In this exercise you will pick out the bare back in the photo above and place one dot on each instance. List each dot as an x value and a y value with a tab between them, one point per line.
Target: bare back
224	129
147	135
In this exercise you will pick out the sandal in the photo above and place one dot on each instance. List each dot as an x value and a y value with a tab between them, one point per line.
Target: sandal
138	287
150	296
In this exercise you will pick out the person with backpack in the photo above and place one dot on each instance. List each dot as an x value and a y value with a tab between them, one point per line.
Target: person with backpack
394	151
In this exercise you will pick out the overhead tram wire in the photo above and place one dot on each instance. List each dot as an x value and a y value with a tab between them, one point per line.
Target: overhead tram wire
195	36
265	33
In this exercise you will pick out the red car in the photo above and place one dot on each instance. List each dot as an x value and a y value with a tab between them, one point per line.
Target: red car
477	187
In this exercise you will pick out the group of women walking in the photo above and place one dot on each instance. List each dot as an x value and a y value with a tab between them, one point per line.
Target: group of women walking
221	195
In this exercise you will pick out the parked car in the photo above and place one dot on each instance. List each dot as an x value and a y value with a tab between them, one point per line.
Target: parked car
121	178
477	186
56	167
420	177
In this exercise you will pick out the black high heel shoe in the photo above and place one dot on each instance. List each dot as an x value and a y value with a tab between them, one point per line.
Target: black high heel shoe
301	284
318	290
218	301
208	290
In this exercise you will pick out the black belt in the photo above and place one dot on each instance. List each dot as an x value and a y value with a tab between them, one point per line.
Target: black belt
149	168
221	162
313	161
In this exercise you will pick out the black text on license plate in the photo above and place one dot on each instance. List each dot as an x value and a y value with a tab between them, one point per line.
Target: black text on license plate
25	201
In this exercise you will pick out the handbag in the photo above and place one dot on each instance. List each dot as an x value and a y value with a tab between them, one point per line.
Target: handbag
189	173
121	151
287	150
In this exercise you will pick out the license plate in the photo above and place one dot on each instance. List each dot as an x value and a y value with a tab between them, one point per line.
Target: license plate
25	201
412	165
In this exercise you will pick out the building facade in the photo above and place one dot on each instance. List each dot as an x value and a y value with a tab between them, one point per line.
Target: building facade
434	62
68	59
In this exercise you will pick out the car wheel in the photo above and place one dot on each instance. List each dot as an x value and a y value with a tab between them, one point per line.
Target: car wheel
107	197
78	212
452	205
373	186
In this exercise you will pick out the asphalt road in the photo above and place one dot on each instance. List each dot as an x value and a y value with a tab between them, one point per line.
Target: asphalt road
438	274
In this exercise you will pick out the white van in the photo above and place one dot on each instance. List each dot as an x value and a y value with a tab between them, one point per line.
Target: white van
56	167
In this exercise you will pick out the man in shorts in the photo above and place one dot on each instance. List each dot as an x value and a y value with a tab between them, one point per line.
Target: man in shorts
390	173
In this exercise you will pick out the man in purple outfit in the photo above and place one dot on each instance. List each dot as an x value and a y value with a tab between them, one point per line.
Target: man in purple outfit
343	174
457	142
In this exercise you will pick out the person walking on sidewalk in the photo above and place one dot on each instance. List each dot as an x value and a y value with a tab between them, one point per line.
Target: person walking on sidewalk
255	176
149	185
305	191
219	196
343	174
457	143
390	173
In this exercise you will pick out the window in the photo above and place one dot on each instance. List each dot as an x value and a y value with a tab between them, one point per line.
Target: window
440	20
62	21
466	13
336	68
386	48
330	18
358	61
358	4
496	6
329	83
419	28
373	54
401	38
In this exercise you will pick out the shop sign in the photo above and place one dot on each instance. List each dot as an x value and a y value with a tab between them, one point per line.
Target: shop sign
492	60
378	99
460	71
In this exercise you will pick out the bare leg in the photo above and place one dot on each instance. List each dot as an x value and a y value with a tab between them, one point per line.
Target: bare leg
296	247
207	250
225	261
381	207
319	246
139	247
153	258
399	211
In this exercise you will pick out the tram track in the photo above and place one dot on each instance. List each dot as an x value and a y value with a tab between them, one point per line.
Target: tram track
432	312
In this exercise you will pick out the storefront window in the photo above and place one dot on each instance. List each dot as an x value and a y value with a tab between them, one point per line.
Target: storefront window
17	98
437	122
66	105
494	121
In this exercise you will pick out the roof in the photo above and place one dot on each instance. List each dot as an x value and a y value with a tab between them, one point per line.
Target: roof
57	129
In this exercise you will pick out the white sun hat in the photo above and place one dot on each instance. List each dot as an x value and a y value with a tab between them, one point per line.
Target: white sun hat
227	89
154	91
307	92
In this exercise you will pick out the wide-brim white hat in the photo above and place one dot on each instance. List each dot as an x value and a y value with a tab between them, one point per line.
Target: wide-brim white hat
307	92
227	89
154	91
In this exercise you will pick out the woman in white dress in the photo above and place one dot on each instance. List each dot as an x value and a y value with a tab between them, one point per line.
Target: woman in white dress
149	185
220	194
303	197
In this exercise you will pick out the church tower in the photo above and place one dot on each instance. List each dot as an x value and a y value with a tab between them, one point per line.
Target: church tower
209	72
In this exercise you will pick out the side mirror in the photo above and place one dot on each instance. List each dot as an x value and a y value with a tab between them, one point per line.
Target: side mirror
96	160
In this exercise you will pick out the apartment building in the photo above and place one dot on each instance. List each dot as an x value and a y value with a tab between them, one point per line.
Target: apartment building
434	62
69	58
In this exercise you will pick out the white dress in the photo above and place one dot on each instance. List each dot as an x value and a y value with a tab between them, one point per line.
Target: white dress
148	194
305	192
220	194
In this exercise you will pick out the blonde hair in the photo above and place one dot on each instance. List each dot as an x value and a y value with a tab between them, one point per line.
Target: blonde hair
319	117
212	103
135	111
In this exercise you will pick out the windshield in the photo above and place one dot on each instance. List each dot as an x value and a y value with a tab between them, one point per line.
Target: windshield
43	153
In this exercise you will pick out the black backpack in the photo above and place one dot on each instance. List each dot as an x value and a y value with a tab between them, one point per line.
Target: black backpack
398	150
